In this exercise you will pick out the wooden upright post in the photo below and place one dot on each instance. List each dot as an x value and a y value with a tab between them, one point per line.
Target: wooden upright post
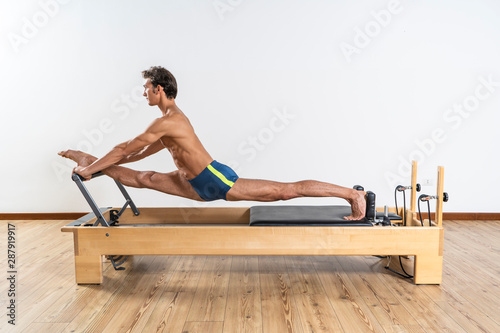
440	191
413	198
410	214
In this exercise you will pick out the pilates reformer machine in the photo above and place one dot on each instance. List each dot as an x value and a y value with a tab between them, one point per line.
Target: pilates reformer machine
258	230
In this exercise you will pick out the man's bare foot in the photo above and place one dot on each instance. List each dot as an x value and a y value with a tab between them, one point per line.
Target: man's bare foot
358	206
81	158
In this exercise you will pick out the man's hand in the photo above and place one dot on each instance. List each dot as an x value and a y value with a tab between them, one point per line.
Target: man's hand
82	172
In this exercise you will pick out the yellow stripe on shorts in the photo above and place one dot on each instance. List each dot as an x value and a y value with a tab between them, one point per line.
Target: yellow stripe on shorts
220	176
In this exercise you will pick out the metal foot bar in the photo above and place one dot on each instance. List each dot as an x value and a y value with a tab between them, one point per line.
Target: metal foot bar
117	261
128	200
95	209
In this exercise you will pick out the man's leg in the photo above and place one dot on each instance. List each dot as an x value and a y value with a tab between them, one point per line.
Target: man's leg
171	183
265	190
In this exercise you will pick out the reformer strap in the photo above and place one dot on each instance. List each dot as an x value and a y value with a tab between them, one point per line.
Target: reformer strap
95	209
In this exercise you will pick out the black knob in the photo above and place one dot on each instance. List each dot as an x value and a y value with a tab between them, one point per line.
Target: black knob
386	221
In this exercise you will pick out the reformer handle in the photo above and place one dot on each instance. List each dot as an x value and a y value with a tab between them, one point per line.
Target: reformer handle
401	188
95	209
426	197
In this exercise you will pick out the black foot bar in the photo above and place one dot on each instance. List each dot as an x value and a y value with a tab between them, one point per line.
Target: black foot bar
114	215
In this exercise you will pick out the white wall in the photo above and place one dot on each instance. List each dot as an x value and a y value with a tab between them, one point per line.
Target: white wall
365	87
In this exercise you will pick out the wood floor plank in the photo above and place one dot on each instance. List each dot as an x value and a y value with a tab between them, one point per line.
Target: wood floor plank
469	317
316	313
243	307
377	295
89	308
39	284
31	283
303	277
46	327
482	237
462	270
426	312
475	258
130	285
43	236
35	267
30	310
314	308
163	272
187	274
353	314
203	327
146	293
458	282
209	303
171	311
68	306
279	313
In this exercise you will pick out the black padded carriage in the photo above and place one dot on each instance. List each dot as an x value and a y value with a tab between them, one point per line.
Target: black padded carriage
304	216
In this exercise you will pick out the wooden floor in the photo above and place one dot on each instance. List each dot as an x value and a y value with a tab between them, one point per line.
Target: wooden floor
252	294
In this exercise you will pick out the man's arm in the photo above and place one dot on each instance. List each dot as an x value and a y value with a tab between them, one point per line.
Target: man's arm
152	134
145	152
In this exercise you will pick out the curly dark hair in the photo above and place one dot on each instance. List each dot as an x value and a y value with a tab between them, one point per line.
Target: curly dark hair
160	76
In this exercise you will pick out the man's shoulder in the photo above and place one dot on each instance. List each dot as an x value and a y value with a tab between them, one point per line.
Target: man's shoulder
169	121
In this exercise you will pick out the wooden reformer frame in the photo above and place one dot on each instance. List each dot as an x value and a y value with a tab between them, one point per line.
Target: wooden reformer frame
226	231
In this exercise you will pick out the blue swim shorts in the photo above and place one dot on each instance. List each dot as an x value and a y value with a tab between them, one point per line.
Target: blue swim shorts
214	181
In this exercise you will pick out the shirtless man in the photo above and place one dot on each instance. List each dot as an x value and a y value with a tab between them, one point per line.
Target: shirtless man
199	176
